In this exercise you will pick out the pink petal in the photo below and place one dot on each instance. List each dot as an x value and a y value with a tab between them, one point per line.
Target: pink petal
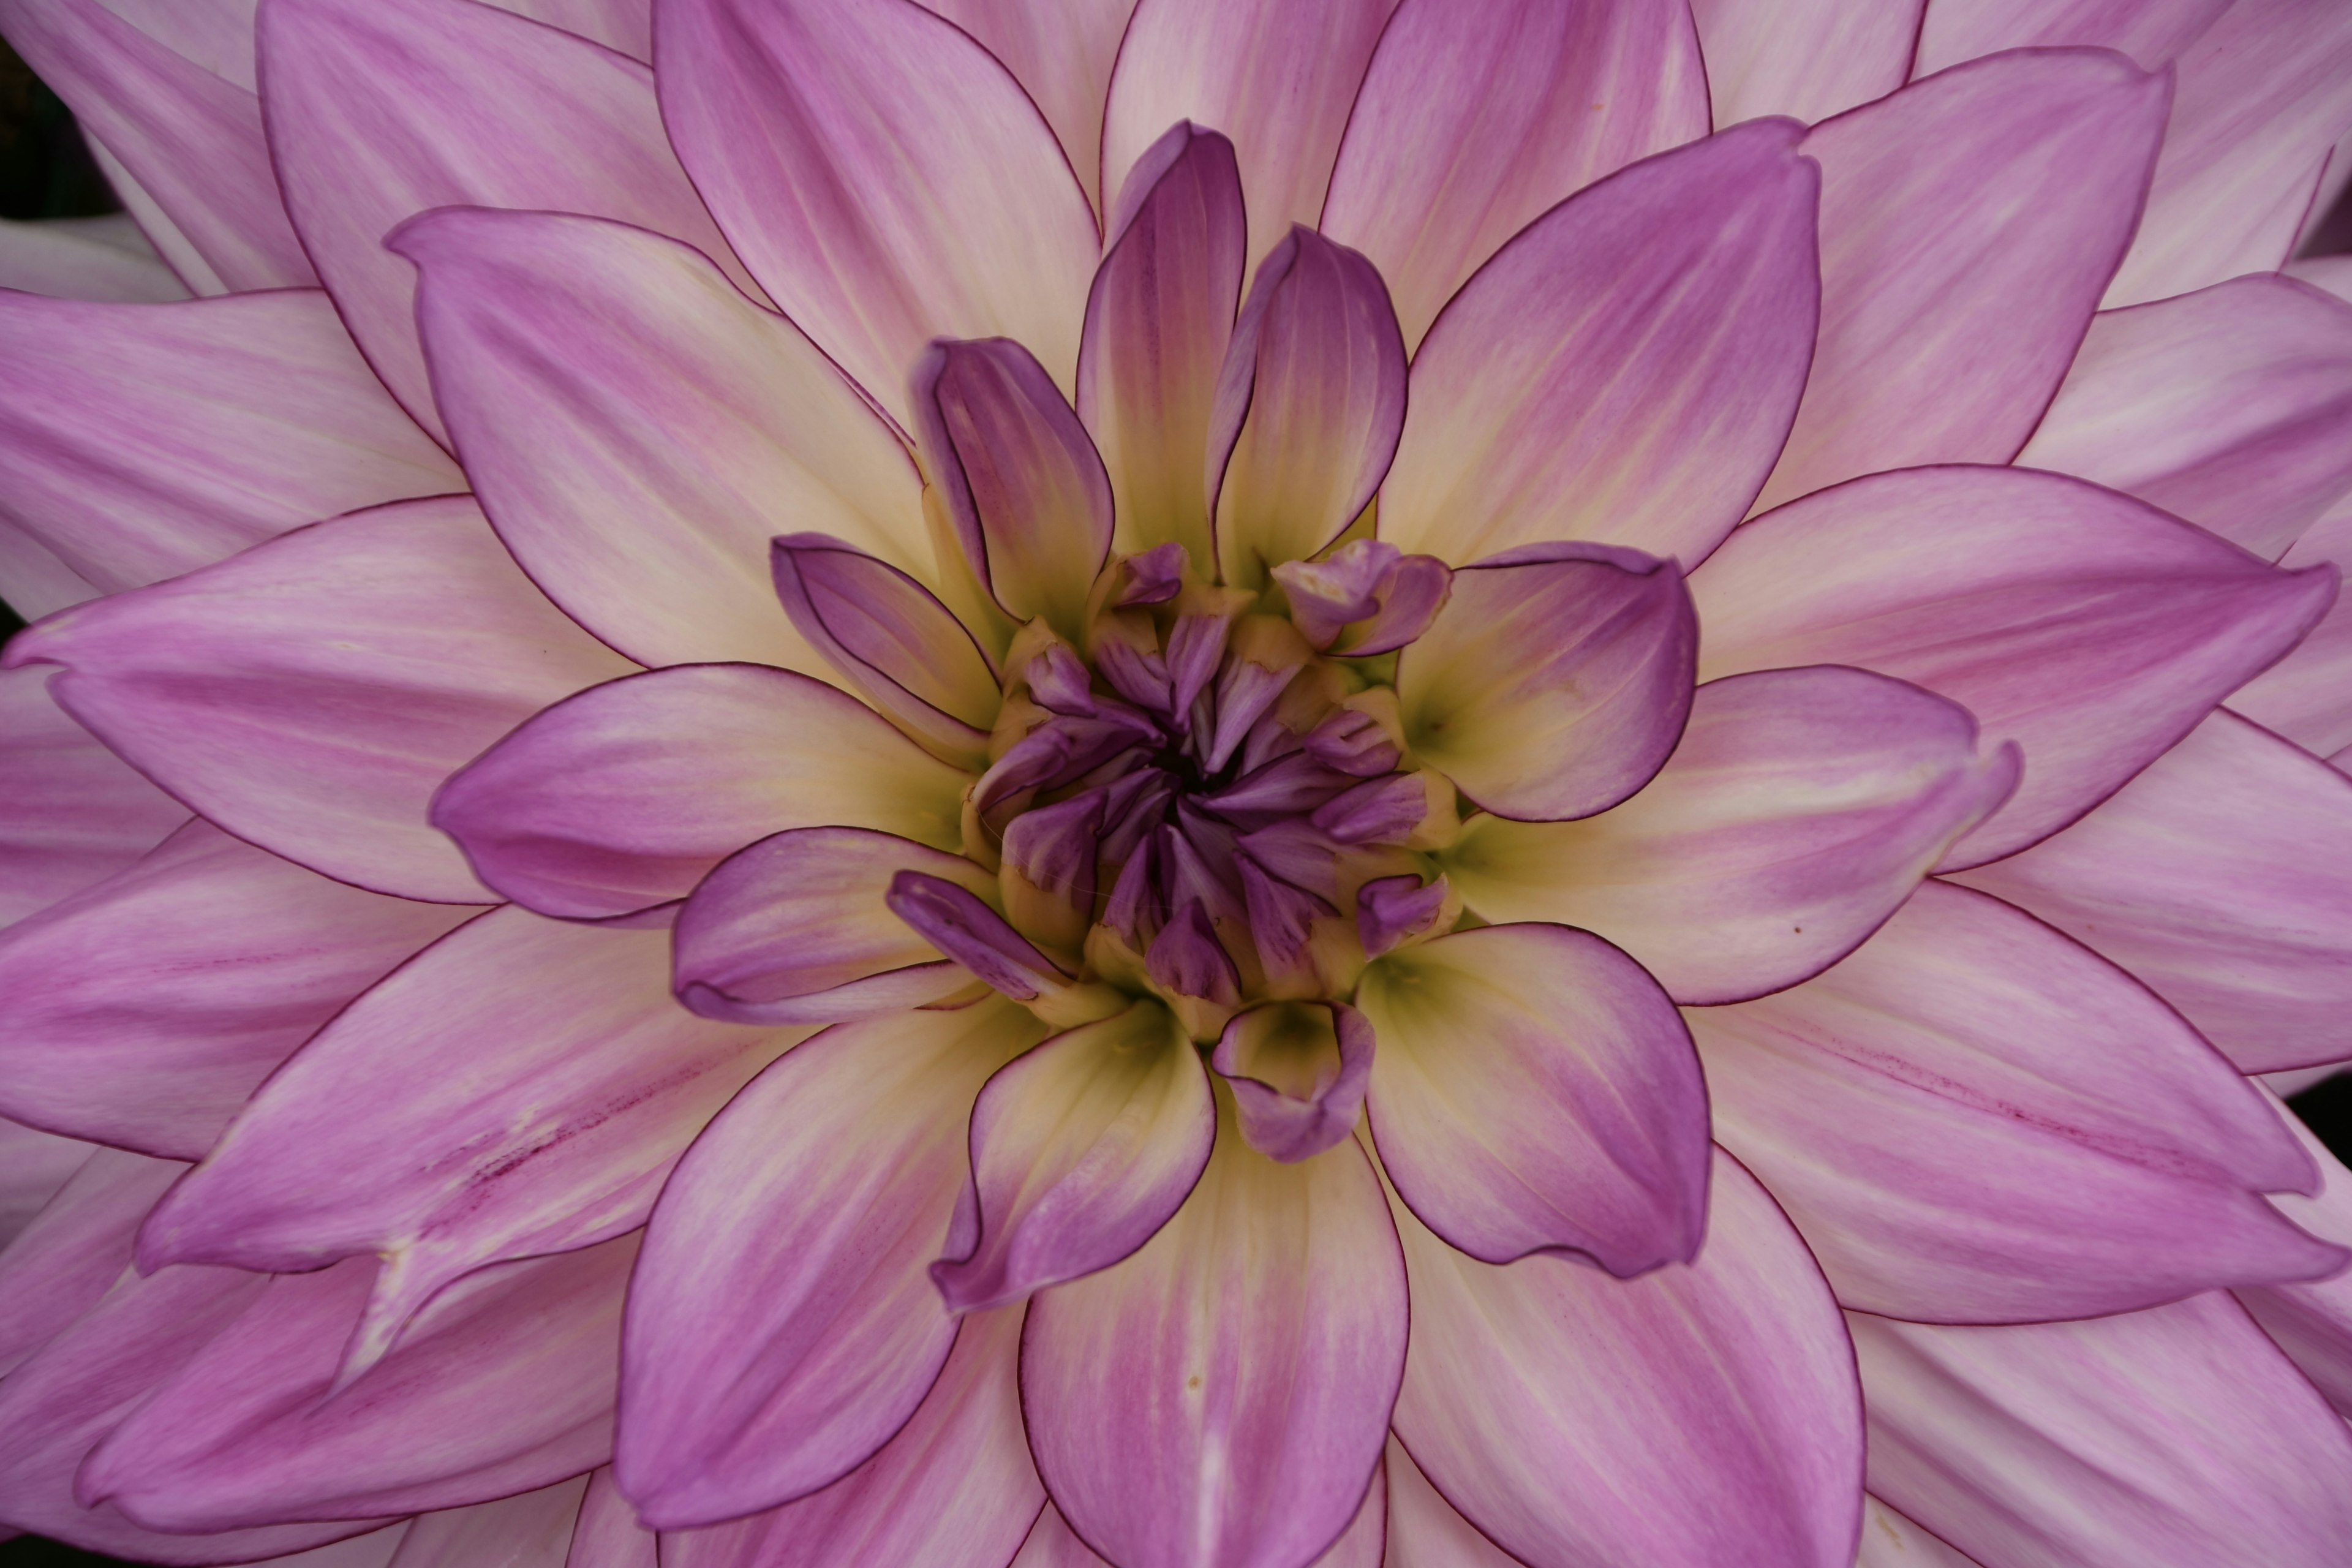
1694	1417
1222	1396
1807	58
2149	31
1062	53
2222	877
1968	226
505	1385
72	813
2263	95
607	1534
1556	680
34	1166
2307	696
1158	321
2312	1321
62	1264
530	1529
310	694
639	431
624	796
142	443
2094	630
886	180
1891	1541
1800	811
1080	1151
191	139
145	1011
85	259
378	112
1308	408
1474	120
1972	1119
33	581
2333	273
2230	408
954	1489
1535	1092
2176	1437
624	25
523	1086
1423	1530
1624	370
1298	1072
784	1326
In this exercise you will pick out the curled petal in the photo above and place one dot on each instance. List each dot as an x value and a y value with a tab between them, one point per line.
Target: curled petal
958	922
1394	597
1392	910
1299	1071
2311	1320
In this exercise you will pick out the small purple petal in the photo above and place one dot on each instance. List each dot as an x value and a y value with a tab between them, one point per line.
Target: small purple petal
1058	680
1410	600
1298	852
1141	678
1246	691
1155	576
1187	958
1132	898
958	923
1286	786
1298	1072
1391	910
1281	917
1327	594
1053	849
1380	810
1353	742
1195	645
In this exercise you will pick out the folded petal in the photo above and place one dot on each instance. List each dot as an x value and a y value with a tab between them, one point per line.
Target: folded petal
61	1265
530	1529
1222	1396
2312	1321
1308	408
310	694
1424	1529
2149	31
1969	223
33	581
1474	120
783	1325
523	1086
1299	1071
639	431
1800	811
72	813
607	1534
1692	1417
2222	877
86	259
1806	59
1891	1541
2177	1438
504	1387
142	443
886	180
1062	54
1555	681
1624	370
2089	627
1972	1119
2230	408
953	1490
1535	1092
2307	696
145	1012
624	796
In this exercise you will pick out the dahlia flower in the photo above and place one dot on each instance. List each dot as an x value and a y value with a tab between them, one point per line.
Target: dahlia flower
1211	783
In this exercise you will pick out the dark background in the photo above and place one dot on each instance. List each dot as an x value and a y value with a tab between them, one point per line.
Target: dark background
47	172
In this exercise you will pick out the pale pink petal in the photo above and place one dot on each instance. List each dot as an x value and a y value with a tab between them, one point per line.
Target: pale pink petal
530	1529
785	1325
2333	273
1693	1417
505	1385
1472	119
2149	31
1972	1119
378	112
80	258
2264	96
33	581
1052	1544
639	431
1423	1530
1222	1396
2307	695
62	1264
145	441
2089	627
1062	52
310	694
72	813
2176	1437
1807	58
1624	370
1534	1091
1891	1541
215	33
624	796
2311	1322
624	25
2221	875
146	1010
2230	408
376	1549
608	1534
33	1166
1800	809
883	176
522	1086
1968	226
954	1489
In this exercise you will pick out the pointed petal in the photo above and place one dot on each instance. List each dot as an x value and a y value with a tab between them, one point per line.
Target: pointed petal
1298	1070
607	1534
61	1265
1624	370
1062	53
2091	629
72	813
2311	1320
953	1490
1221	1397
76	258
1972	1119
1806	59
140	444
884	178
2307	696
1969	223
1474	120
530	1529
784	1326
2176	1437
145	1012
1800	809
1693	1417
310	694
2222	877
